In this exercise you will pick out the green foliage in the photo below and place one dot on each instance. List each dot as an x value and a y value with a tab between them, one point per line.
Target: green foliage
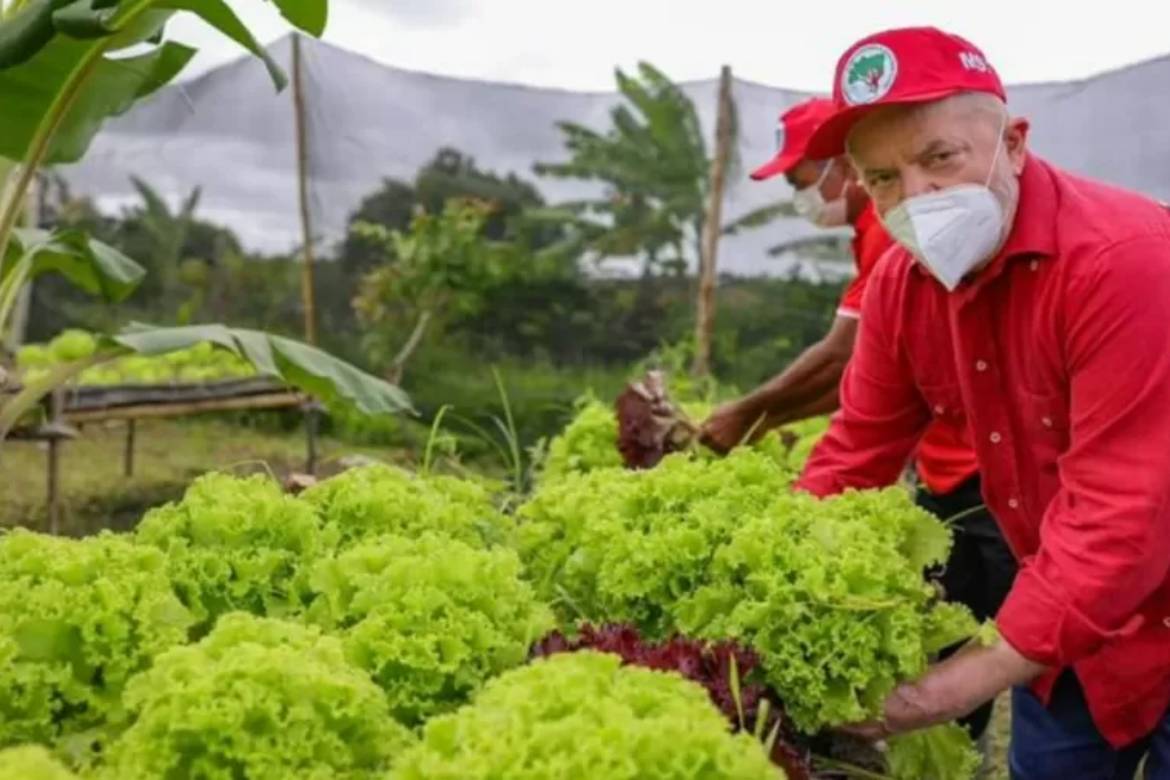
830	593
807	434
195	270
653	164
86	263
237	544
369	501
65	68
585	715
37	76
449	175
72	345
77	619
200	363
257	698
31	762
430	619
621	546
988	633
939	753
437	272
542	395
443	260
353	427
306	367
588	442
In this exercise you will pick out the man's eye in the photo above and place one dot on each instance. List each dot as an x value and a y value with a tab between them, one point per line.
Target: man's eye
939	158
879	179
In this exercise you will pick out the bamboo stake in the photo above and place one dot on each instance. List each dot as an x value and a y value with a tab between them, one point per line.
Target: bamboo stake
308	296
712	227
128	453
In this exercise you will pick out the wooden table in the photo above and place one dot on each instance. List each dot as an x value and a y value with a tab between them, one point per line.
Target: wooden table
75	406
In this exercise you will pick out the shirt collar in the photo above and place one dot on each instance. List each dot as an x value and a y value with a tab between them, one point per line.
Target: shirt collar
1033	233
1034	230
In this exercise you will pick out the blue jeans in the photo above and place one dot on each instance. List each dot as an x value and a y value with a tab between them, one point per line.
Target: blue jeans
1060	742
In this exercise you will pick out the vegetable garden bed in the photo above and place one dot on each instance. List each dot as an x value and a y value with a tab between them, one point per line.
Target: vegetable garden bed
397	625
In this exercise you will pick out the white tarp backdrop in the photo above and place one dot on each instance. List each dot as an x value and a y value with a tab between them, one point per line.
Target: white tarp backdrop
230	134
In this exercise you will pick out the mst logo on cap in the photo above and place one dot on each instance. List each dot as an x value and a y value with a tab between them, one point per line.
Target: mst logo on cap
869	74
902	66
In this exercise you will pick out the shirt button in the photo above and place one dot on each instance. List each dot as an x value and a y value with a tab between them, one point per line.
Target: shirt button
938	409
1166	622
1014	503
980	365
995	437
1034	265
1046	422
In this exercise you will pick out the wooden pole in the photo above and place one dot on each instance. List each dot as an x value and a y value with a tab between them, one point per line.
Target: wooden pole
712	228
308	298
312	419
56	442
128	455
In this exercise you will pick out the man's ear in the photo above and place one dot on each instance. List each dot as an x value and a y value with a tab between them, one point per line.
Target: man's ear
1016	143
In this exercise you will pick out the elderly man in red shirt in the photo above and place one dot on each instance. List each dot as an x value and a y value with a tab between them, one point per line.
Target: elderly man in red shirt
1038	303
980	569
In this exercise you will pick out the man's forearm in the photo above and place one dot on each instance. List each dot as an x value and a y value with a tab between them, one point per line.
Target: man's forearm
827	403
806	388
957	686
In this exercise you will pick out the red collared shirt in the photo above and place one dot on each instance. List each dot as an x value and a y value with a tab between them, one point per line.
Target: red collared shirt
945	458
1057	358
870	242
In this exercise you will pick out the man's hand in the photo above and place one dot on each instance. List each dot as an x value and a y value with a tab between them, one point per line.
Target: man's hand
950	690
728	427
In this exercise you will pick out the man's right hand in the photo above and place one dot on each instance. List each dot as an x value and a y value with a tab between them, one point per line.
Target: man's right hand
728	426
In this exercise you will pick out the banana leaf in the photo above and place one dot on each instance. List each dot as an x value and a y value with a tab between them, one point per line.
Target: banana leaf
307	368
95	267
329	379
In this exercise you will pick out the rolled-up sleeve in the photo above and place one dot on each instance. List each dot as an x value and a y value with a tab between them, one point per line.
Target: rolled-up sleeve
1103	538
882	414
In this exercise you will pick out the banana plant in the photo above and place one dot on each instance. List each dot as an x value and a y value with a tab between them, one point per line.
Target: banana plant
67	66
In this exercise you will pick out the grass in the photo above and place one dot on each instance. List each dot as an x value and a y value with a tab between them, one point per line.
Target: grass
168	455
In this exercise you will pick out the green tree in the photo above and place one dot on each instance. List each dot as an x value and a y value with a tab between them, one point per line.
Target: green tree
441	268
391	207
450	174
653	165
189	261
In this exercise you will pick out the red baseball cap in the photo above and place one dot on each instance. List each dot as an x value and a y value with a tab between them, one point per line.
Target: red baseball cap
792	134
909	65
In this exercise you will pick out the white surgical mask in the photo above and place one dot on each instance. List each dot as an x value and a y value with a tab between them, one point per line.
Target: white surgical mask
950	231
811	204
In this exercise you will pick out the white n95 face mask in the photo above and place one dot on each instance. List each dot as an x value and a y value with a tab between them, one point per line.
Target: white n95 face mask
950	231
810	204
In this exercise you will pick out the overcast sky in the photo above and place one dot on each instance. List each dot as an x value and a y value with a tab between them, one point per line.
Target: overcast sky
575	45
